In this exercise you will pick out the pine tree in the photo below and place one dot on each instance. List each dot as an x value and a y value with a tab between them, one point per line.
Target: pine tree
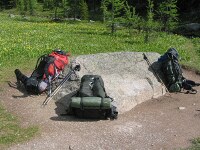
115	12
84	13
117	6
20	6
149	21
32	6
26	5
48	4
131	18
45	5
104	9
74	8
168	14
53	5
56	5
65	6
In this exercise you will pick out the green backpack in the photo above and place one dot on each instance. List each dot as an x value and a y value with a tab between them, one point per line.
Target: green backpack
92	101
92	85
171	70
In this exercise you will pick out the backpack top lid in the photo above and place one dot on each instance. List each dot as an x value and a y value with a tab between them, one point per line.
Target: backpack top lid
171	53
61	52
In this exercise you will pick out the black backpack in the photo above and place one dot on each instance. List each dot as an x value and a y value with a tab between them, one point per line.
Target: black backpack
92	101
48	64
173	74
171	70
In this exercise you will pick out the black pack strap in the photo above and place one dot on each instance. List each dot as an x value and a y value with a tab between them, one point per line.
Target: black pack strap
46	70
113	113
197	84
101	105
97	79
39	60
81	104
61	61
106	95
39	68
192	91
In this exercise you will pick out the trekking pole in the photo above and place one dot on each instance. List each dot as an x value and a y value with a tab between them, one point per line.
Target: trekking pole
150	65
76	68
49	80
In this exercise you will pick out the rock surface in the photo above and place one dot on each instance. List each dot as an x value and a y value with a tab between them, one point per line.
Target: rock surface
127	77
192	26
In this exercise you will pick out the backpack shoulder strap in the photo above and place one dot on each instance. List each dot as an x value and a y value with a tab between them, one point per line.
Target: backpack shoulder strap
50	61
38	71
41	58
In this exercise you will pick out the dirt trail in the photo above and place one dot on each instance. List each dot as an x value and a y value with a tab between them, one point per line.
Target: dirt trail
157	124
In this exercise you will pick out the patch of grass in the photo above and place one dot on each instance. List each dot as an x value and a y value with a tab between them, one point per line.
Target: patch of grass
23	40
7	73
195	144
11	132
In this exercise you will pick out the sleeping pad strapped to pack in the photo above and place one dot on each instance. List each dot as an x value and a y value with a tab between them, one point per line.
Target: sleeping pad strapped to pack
92	101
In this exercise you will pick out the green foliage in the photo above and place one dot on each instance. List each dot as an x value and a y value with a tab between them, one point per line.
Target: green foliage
150	21
168	14
104	10
26	5
195	144
48	4
116	9
196	42
11	132
65	6
32	6
150	13
74	8
84	13
56	4
133	21
20	6
56	9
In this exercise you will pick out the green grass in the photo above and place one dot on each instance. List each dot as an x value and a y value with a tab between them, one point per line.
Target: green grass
195	144
11	132
24	40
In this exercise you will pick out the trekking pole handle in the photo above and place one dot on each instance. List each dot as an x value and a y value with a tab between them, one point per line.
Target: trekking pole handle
57	89
147	60
145	57
76	68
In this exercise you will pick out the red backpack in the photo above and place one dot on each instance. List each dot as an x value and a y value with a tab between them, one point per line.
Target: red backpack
51	65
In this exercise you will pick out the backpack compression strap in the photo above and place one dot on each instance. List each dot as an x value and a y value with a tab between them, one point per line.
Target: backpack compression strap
41	58
50	70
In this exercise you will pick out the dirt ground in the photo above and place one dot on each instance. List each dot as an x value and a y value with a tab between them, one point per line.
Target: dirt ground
165	123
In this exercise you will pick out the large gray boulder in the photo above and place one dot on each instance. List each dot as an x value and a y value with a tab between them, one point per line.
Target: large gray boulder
192	26
127	77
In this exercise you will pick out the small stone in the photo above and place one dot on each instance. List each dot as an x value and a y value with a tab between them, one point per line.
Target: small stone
181	108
